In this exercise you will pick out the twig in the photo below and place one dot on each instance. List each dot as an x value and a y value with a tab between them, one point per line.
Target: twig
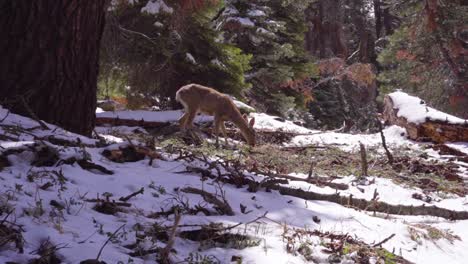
164	255
316	180
83	241
364	164
107	241
129	141
6	217
126	198
111	202
383	241
221	206
384	143
247	223
7	114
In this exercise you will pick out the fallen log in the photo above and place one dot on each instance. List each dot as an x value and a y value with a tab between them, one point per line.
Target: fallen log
374	206
438	131
102	121
349	201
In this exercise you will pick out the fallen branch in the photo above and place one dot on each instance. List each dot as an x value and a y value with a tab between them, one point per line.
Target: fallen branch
384	143
107	241
383	241
87	165
361	204
375	206
220	206
314	180
164	254
126	198
124	204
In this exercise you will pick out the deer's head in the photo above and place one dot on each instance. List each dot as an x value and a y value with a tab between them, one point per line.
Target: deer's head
250	133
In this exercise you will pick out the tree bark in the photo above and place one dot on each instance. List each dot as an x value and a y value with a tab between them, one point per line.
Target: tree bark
390	22
49	56
366	51
325	37
378	18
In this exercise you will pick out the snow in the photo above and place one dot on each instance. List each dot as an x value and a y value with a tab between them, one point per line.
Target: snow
230	10
242	105
152	116
263	31
271	123
256	13
82	230
158	24
395	136
244	21
416	111
190	58
217	63
156	6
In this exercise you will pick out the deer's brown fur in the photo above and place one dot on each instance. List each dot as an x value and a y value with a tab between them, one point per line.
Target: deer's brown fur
198	98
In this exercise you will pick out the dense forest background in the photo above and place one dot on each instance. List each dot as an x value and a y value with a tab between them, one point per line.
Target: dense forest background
323	63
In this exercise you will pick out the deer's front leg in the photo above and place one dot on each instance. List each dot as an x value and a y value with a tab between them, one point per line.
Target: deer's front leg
189	119
223	128
217	123
182	121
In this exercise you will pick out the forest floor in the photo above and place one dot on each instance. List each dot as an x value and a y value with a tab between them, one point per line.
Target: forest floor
135	195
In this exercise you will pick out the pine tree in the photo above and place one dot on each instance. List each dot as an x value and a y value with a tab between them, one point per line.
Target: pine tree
273	31
163	49
425	55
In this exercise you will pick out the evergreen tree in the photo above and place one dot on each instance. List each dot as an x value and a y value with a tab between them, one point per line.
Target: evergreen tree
273	31
166	45
426	54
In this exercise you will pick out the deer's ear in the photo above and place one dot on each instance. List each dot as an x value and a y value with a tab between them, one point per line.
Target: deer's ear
252	122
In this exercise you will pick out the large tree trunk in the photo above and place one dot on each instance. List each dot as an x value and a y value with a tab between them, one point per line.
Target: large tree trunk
325	37
49	54
378	18
366	49
390	22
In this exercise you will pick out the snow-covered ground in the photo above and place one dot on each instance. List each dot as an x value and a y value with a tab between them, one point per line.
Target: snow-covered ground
80	231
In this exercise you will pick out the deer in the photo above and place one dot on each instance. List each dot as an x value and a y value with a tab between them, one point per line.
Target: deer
197	98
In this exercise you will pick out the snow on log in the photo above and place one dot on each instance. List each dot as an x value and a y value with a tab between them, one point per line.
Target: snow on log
422	122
